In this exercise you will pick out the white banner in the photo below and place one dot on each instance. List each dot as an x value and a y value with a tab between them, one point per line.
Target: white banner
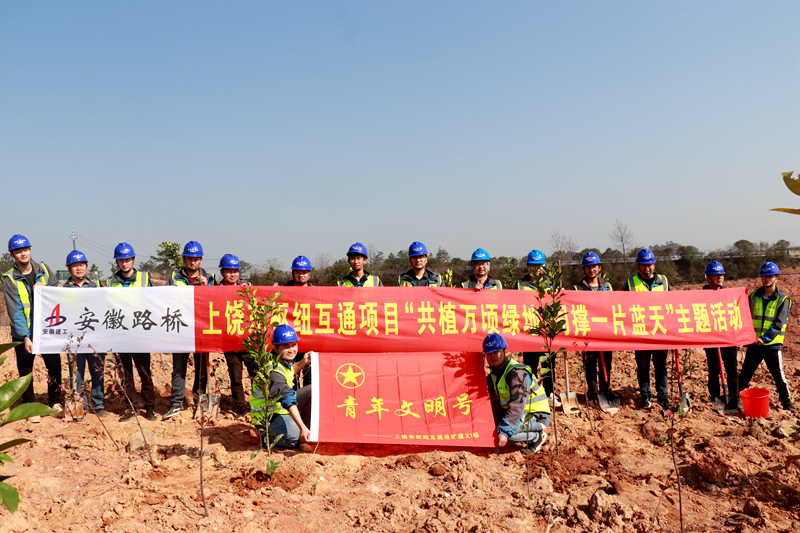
131	319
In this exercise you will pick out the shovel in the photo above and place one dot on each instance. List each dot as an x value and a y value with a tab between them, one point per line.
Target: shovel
607	405
209	402
722	404
684	403
569	400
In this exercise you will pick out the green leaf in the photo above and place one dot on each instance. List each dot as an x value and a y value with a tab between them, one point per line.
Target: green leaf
11	443
9	497
7	346
254	454
12	390
5	458
27	410
272	466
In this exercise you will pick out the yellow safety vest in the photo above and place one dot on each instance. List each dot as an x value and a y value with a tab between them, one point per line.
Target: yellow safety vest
287	373
24	291
372	281
637	284
493	288
763	318
142	280
536	401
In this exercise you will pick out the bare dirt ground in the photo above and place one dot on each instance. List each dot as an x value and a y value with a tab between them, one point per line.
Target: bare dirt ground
737	475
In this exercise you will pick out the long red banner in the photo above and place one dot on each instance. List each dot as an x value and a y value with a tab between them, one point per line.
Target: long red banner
404	319
429	398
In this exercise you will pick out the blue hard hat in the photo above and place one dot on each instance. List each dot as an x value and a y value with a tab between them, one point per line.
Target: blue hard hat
283	334
417	248
589	259
645	257
769	269
358	249
18	241
76	256
123	251
230	261
193	249
301	262
493	342
714	268
480	255
536	257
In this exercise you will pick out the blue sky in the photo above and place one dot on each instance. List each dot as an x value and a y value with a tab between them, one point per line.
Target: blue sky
271	130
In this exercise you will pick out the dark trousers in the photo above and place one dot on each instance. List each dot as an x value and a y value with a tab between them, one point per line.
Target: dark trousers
96	368
180	363
659	358
532	360
53	364
731	374
235	361
772	356
142	362
593	366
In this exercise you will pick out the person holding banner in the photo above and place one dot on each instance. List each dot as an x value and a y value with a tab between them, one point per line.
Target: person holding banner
715	276
536	260
770	307
127	276
19	282
77	265
301	273
358	277
515	395
229	268
593	362
647	280
480	279
418	275
289	408
191	274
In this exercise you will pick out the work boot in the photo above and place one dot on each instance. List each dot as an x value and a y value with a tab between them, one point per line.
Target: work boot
647	403
127	415
554	401
791	408
149	414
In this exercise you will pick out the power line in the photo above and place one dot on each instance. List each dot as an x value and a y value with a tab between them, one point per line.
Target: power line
84	237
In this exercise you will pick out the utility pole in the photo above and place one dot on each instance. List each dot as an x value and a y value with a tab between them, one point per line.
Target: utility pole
74	237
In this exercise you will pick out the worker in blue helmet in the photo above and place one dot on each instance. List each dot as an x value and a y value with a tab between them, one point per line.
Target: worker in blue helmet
230	276
301	273
19	284
593	361
191	274
358	277
480	279
715	278
125	277
515	394
534	262
291	410
418	275
646	279
770	308
77	265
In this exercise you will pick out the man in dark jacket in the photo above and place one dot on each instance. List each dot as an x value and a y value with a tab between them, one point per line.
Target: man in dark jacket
715	276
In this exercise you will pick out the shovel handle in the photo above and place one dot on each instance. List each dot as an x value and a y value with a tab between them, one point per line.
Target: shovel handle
721	367
678	366
603	364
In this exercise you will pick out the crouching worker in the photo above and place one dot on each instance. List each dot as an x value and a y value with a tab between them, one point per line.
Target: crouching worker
290	409
515	394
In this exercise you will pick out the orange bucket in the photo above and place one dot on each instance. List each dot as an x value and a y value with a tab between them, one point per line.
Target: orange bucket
755	403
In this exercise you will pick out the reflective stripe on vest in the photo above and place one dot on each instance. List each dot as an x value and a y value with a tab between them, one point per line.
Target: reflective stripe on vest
287	373
536	401
525	286
142	280
402	283
764	318
372	281
640	285
467	283
24	291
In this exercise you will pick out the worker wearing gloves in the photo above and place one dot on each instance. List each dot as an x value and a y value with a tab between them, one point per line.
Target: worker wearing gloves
515	395
192	274
77	265
480	279
770	307
358	277
647	280
715	278
19	282
127	276
418	275
535	261
592	363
